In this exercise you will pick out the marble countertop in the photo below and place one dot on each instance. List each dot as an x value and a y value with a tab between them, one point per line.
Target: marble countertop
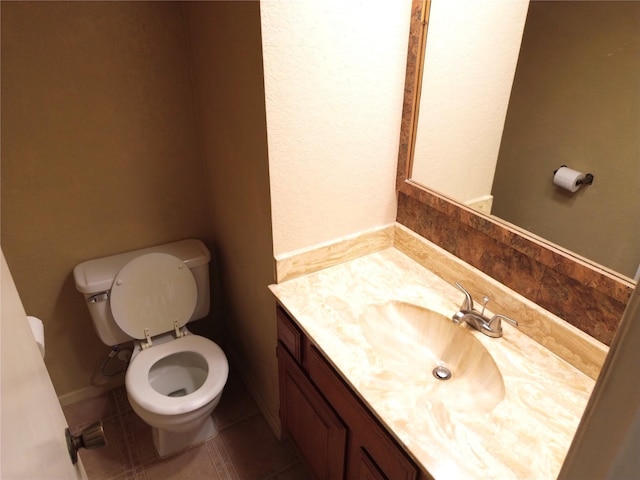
526	435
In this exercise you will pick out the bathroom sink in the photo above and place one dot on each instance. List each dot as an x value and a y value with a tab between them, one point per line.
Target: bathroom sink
439	360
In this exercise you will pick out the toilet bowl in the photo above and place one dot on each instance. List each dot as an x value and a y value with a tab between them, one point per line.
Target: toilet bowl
175	379
174	387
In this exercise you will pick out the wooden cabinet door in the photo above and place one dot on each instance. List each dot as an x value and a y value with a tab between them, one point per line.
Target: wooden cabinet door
364	430
366	468
316	430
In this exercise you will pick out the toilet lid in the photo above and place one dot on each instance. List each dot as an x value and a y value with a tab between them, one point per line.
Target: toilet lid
151	292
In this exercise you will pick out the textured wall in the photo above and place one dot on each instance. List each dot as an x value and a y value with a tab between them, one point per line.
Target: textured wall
99	154
334	74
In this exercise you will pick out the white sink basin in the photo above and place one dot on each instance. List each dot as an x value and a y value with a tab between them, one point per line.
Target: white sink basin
441	360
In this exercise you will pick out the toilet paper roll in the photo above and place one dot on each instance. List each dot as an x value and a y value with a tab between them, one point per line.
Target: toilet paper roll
568	179
37	328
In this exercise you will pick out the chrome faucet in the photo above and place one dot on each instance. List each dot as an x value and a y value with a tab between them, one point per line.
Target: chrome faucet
492	327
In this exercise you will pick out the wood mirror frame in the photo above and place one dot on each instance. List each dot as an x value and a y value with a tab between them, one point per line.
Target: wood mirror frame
586	295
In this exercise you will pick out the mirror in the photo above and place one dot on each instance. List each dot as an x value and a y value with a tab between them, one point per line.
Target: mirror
582	292
510	91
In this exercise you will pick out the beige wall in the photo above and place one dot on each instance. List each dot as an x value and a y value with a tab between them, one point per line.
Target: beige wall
576	101
225	47
99	154
103	152
334	82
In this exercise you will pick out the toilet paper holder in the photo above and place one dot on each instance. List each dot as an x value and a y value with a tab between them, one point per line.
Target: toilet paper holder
587	180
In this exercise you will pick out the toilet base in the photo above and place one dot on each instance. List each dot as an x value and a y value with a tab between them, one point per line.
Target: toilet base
167	442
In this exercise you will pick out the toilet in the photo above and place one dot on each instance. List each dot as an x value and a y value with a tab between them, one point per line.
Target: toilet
175	379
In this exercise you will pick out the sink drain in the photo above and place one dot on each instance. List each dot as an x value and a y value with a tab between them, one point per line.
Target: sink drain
442	373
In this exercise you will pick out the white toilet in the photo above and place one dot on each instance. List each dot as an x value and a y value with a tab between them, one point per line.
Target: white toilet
175	379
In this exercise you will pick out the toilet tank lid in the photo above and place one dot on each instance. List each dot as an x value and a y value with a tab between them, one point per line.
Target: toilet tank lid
94	276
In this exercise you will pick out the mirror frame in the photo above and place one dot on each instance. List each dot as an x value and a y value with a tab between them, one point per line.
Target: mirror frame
582	293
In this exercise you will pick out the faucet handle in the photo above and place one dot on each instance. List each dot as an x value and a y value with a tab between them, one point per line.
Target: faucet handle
495	323
485	300
468	301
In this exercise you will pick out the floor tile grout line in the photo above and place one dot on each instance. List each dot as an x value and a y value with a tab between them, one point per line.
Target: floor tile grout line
126	440
130	439
222	457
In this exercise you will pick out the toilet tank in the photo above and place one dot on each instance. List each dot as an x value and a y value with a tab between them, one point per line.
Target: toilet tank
94	278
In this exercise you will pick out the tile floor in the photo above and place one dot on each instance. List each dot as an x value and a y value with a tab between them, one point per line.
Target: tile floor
245	448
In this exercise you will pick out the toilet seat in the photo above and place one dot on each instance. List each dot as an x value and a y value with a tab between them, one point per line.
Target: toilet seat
140	389
153	294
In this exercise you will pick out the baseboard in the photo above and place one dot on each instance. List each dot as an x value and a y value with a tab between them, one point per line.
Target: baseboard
90	392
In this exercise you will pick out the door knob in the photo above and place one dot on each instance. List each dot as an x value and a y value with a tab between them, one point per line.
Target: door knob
91	437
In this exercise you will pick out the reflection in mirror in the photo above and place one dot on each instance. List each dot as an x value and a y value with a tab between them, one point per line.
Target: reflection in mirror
575	100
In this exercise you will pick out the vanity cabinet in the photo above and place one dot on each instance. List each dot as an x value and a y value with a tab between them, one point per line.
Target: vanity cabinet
317	431
333	429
